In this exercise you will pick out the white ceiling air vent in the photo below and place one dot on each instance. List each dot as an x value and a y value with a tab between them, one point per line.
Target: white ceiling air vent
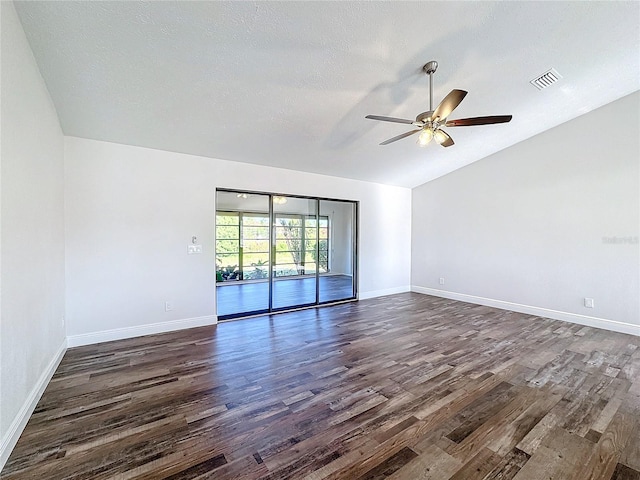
547	79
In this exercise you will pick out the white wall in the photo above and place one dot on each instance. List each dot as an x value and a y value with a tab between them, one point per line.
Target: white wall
32	337
526	225
130	213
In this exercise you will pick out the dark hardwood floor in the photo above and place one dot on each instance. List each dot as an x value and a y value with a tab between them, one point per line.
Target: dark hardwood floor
233	298
407	387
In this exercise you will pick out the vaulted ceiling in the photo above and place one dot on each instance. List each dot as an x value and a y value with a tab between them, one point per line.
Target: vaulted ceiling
288	84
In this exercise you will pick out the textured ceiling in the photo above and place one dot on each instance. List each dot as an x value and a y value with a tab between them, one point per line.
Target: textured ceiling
288	84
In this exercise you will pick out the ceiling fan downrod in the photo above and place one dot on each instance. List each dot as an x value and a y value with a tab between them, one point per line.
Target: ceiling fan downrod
430	68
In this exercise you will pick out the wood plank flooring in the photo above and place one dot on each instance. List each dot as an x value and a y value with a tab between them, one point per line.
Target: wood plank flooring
402	387
234	298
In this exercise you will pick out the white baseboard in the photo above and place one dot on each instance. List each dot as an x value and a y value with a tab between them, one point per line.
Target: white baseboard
382	293
596	322
12	435
139	330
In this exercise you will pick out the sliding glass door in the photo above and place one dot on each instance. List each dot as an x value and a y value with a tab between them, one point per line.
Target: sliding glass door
337	252
278	252
295	250
243	252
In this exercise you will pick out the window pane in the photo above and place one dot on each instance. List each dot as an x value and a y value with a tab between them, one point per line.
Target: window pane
324	245
255	220
309	268
282	246
324	222
310	233
227	219
252	246
227	260
287	257
310	222
293	245
227	232
323	233
288	221
310	256
256	233
251	258
227	246
310	244
288	232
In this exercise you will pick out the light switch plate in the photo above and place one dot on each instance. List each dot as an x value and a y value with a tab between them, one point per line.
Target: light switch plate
194	249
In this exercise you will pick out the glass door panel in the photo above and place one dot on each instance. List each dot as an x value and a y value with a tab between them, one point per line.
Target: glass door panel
337	260
242	253
294	247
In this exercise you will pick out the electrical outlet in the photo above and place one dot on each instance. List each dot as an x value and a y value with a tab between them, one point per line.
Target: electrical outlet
168	306
441	281
588	302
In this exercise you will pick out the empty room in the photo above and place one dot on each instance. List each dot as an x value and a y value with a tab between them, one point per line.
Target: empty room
319	240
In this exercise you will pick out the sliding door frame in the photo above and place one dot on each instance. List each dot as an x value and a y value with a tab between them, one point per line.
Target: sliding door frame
272	251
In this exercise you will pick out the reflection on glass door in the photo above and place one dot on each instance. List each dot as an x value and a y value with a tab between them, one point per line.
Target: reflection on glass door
277	252
295	251
337	281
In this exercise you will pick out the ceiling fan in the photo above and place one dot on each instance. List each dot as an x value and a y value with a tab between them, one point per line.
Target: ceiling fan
430	123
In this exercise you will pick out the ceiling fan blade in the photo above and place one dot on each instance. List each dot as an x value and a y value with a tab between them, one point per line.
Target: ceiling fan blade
448	104
465	122
443	138
400	137
389	119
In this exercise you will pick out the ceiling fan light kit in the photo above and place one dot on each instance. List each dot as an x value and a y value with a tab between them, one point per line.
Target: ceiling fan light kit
425	137
430	123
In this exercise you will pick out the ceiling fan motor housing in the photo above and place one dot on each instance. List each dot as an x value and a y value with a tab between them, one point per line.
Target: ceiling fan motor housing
424	117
